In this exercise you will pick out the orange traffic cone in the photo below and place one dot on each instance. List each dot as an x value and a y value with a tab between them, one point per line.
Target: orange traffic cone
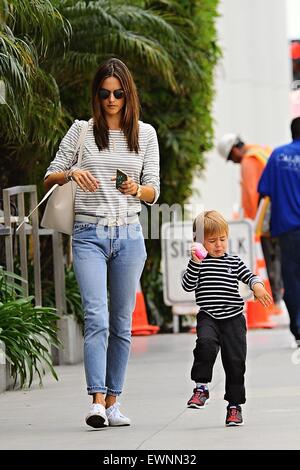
257	315
140	325
277	310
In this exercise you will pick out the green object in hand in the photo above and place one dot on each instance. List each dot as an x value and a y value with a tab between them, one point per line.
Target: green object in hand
120	178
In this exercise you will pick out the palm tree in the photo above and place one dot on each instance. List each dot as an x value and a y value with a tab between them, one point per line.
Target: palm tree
146	39
28	30
50	50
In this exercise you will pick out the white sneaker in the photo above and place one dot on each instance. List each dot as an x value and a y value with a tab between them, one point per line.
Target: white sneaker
115	417
295	343
96	417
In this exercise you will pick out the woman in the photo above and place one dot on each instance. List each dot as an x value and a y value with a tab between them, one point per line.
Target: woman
108	245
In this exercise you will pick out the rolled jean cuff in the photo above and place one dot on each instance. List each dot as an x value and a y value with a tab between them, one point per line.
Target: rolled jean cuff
92	390
114	393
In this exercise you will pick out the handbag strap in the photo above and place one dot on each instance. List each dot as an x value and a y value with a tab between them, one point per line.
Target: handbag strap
79	145
80	142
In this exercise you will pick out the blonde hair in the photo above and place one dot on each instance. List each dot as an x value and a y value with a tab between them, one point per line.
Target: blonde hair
209	223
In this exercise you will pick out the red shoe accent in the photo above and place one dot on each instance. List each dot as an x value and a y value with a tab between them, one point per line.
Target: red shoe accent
198	399
234	417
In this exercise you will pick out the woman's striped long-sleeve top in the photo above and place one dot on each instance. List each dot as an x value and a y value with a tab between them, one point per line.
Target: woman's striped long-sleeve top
107	201
216	284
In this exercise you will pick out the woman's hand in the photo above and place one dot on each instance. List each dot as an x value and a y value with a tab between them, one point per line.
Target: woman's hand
85	180
262	295
129	187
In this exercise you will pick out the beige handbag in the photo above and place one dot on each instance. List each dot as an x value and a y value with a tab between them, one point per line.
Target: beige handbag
59	211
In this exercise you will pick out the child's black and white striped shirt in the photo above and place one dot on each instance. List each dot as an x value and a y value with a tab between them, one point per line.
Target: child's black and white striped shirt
216	284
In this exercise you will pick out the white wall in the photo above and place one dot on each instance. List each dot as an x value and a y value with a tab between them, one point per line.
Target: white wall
252	86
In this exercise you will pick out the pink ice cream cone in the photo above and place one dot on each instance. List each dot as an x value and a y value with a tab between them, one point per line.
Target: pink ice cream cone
200	251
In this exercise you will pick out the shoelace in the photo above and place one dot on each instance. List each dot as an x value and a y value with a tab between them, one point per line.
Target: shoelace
198	393
116	409
96	406
233	412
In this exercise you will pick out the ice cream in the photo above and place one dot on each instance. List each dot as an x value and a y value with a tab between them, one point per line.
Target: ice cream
200	251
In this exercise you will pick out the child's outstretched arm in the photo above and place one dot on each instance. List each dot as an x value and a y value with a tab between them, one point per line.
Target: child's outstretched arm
255	283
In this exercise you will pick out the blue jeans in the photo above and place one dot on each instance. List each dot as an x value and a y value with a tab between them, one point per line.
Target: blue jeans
290	267
107	259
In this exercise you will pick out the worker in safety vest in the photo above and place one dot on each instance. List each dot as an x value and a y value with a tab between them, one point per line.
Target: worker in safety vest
253	159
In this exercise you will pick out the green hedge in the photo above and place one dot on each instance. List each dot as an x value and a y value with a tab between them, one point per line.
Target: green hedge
184	123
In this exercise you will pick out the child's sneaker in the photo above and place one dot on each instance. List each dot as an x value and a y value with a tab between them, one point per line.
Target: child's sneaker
96	416
199	398
115	417
234	416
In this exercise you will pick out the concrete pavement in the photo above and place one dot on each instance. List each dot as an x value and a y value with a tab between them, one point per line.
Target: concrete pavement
157	388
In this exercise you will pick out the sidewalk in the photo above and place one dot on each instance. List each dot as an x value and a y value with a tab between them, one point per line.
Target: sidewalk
157	388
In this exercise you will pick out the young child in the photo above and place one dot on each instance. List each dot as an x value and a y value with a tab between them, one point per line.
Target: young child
220	321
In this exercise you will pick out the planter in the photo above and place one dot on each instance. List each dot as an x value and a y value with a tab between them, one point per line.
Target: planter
2	367
70	335
10	381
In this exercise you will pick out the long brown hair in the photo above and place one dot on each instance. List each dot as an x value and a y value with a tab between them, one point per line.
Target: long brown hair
130	112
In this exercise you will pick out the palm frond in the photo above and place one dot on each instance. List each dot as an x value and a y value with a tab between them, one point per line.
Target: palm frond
27	31
39	18
28	332
122	30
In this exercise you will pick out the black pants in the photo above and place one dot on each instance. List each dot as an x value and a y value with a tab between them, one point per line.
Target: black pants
229	335
290	251
272	255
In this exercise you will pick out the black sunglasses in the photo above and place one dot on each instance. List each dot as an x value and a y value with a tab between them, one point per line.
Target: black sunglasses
104	94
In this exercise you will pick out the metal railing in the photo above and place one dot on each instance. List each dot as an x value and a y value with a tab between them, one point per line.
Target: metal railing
20	191
33	230
27	239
